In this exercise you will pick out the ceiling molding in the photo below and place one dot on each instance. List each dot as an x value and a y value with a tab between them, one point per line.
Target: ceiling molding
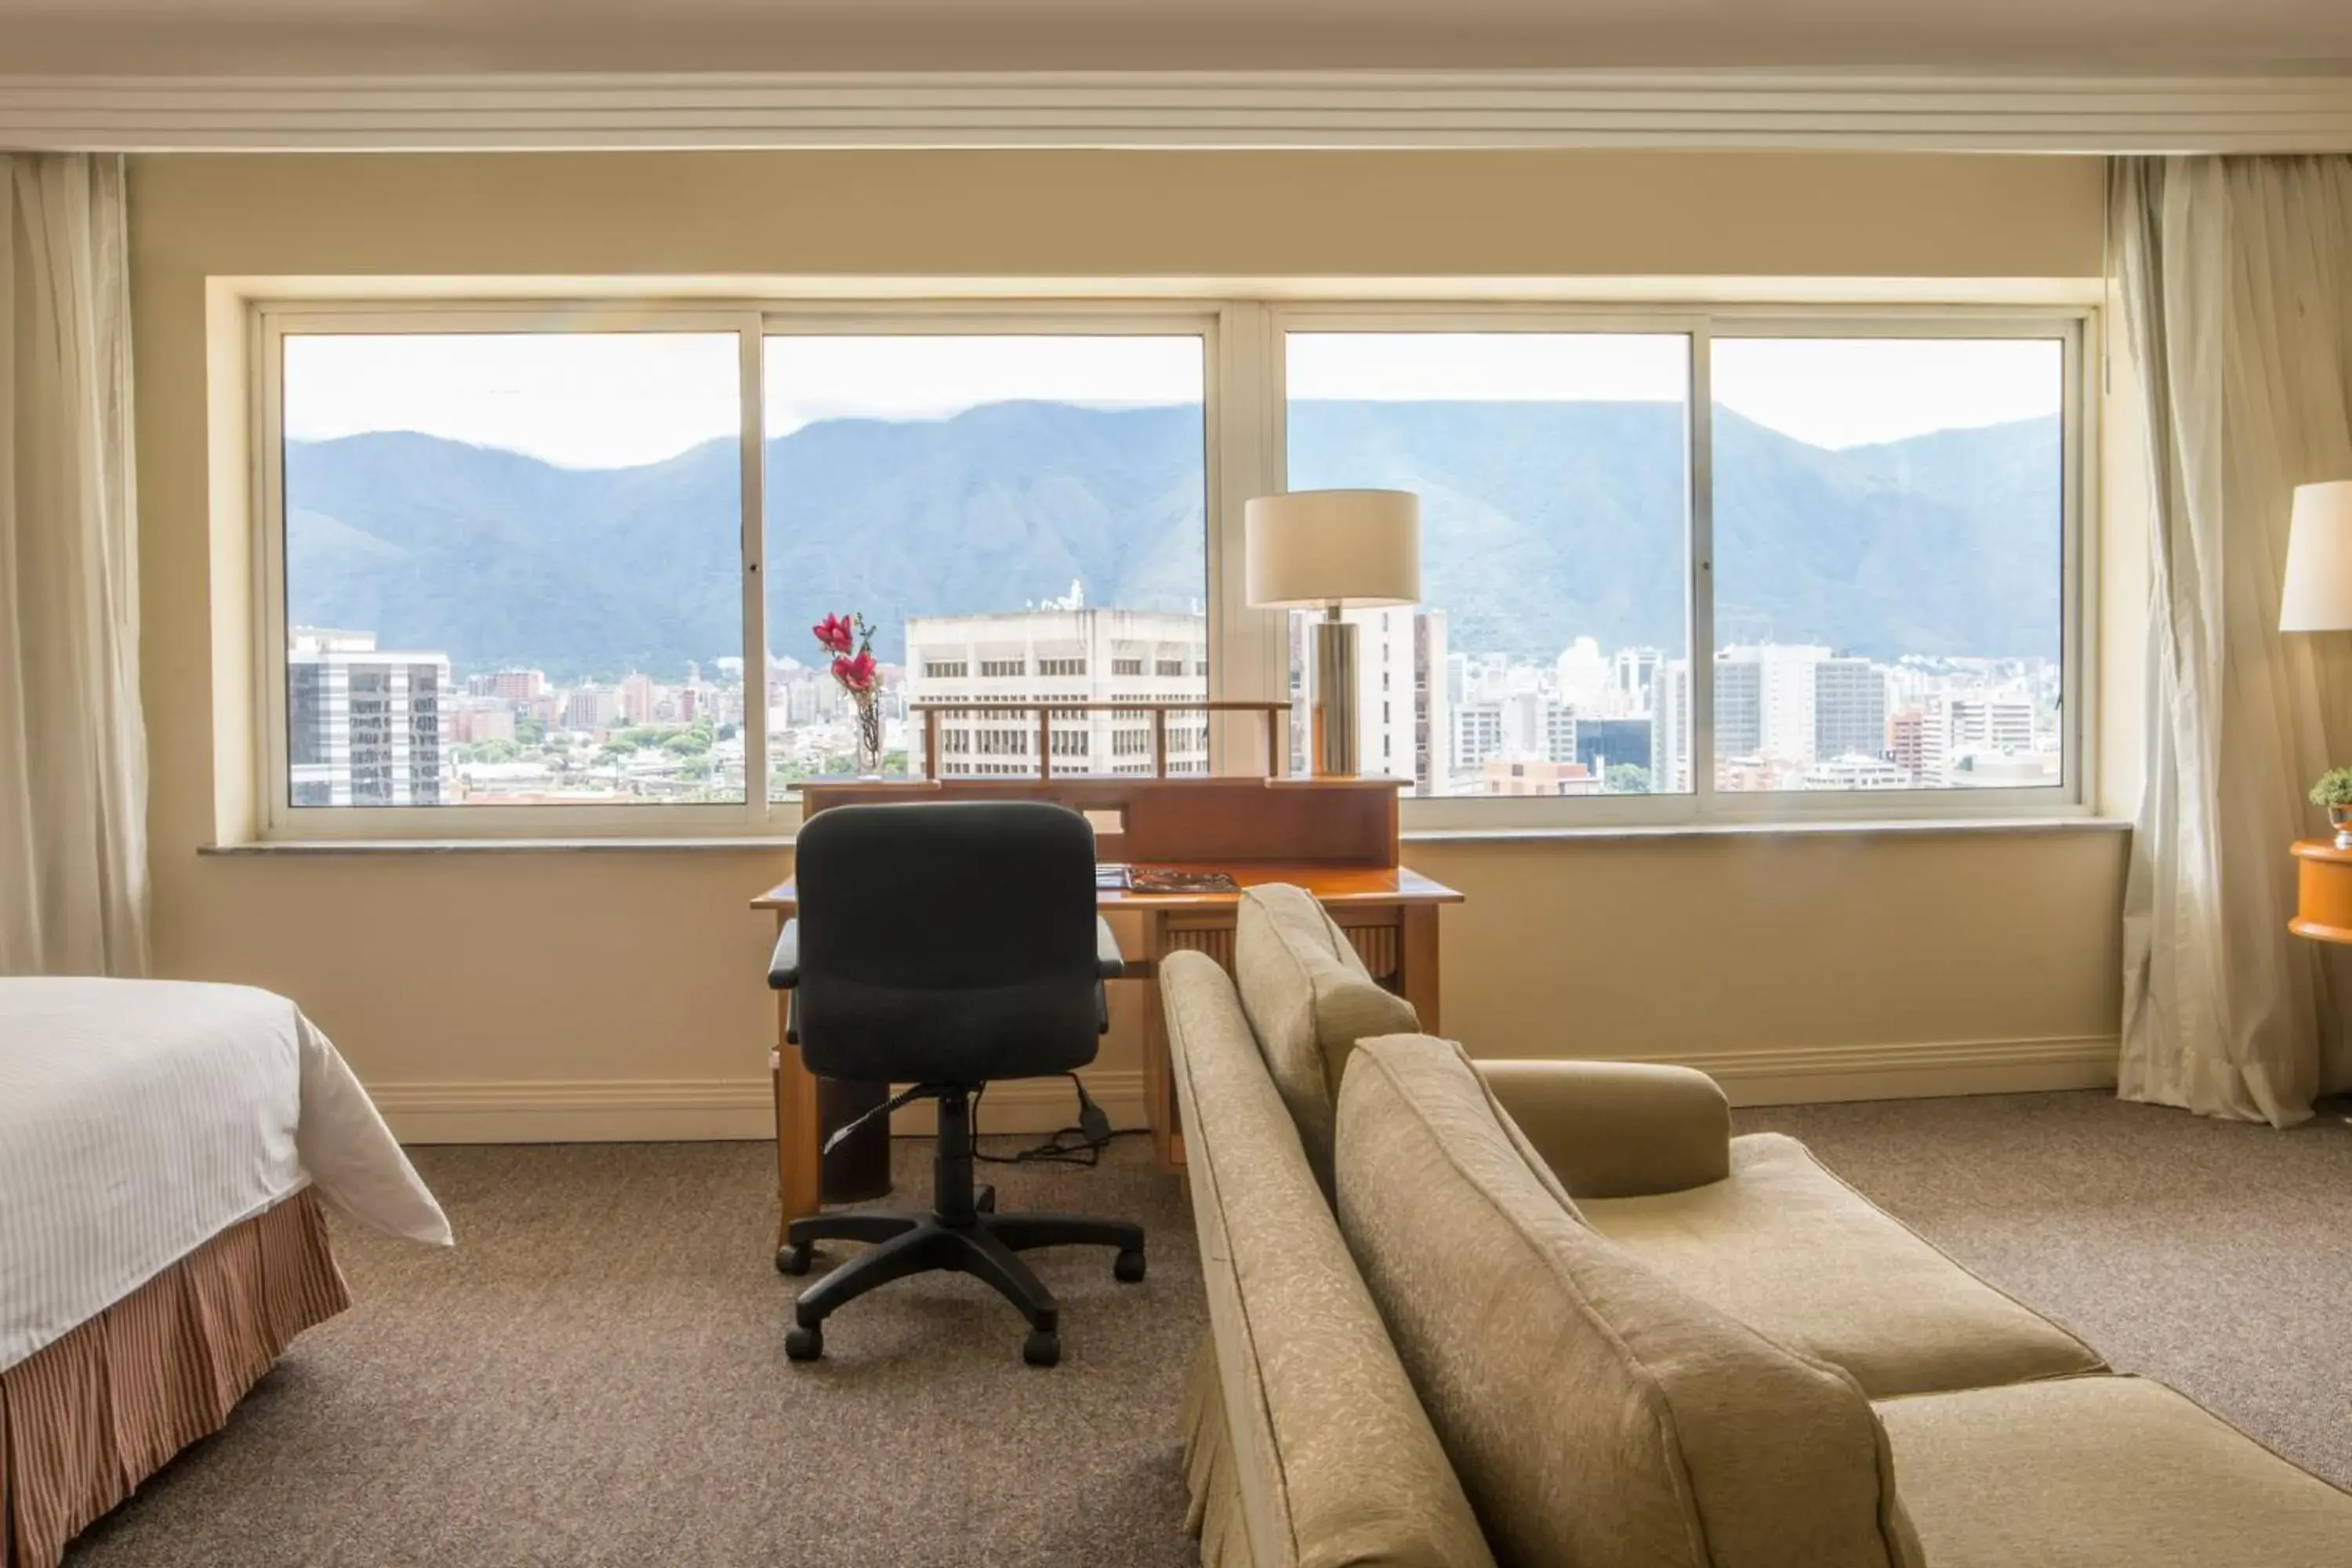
1918	111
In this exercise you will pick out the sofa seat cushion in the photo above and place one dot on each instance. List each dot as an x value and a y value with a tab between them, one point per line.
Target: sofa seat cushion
2103	1472
1310	999
1597	1414
1793	1252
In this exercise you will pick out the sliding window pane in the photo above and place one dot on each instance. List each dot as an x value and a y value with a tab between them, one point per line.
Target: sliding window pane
1890	568
1553	471
513	569
1016	519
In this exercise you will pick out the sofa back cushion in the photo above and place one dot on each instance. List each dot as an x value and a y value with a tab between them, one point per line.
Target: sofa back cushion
1597	1416
1308	1446
1309	1000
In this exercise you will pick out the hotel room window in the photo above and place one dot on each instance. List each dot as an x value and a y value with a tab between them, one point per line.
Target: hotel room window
1890	563
1553	471
509	569
1881	539
992	490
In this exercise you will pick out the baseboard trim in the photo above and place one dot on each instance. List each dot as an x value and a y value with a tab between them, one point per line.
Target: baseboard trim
680	1109
1922	1070
668	1109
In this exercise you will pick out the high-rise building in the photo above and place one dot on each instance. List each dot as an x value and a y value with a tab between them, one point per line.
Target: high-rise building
1849	709
1432	704
1633	673
591	707
1807	703
1071	655
1907	742
1477	735
511	685
640	699
1670	727
469	720
362	723
1604	743
1959	727
1739	706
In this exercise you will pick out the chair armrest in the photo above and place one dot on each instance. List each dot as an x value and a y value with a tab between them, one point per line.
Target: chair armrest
1108	963
785	965
1618	1130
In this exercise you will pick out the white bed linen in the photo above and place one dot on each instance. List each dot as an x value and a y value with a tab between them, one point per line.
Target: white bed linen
139	1119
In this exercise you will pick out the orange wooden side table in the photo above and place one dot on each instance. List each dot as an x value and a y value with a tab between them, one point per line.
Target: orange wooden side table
2323	891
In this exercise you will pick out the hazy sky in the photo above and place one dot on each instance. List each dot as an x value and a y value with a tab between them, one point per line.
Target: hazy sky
616	399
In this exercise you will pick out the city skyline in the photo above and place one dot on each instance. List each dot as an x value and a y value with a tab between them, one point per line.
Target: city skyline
401	727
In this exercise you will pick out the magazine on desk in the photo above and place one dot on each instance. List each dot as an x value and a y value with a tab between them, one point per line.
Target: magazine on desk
1115	877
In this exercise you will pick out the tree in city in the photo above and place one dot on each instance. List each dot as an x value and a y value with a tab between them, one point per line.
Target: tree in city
1624	778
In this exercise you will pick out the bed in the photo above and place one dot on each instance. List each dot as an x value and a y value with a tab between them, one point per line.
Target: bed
165	1149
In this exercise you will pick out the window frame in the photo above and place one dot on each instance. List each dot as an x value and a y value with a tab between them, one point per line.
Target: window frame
1244	435
2073	327
752	323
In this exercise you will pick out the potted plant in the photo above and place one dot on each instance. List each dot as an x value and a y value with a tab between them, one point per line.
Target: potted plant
850	640
2334	791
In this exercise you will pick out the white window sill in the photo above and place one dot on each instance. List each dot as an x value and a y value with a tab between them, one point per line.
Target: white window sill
1786	828
1912	826
266	847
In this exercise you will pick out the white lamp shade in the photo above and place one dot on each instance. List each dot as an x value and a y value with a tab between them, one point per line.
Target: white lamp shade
2318	593
1355	549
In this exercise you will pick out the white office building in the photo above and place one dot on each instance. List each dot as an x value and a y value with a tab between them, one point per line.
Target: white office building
1964	733
1072	655
362	723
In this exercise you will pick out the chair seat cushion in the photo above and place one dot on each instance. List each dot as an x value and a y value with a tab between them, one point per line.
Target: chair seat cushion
1793	1252
2103	1472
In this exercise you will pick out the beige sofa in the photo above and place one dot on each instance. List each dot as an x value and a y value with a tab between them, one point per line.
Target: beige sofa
1563	1317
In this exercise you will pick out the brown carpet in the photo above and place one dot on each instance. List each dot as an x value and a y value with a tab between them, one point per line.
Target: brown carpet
596	1374
2212	1255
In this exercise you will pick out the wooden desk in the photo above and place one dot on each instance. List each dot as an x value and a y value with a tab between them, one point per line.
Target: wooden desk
1389	912
2323	891
1335	837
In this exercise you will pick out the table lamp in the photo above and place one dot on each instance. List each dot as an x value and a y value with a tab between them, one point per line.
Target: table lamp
2318	593
1333	551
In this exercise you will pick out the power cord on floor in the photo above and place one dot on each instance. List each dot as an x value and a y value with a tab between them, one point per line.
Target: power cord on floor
1094	1133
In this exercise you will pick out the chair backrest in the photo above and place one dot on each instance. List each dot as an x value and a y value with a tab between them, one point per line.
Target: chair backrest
947	942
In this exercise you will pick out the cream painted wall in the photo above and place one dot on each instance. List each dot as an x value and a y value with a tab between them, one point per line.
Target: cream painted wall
616	993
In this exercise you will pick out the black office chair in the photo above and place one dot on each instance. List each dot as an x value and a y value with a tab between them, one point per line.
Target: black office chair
946	945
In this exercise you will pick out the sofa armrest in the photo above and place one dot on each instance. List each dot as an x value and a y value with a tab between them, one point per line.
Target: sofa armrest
1618	1130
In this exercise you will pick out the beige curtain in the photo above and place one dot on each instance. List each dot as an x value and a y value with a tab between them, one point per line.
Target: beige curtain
2237	282
73	751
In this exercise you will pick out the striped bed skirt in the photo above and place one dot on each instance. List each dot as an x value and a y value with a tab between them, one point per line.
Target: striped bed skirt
85	1419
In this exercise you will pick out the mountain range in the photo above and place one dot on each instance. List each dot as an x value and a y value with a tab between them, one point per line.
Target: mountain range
1542	522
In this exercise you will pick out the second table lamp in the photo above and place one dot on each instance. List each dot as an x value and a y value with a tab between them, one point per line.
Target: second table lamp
1333	551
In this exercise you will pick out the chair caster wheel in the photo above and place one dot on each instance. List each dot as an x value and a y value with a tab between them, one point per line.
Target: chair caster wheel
804	1345
984	1200
1041	1348
794	1260
1127	1268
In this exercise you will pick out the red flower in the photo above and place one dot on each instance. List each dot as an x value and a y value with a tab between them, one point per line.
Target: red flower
835	634
855	674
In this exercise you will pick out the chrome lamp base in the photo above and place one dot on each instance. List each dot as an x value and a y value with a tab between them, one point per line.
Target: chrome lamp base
1336	754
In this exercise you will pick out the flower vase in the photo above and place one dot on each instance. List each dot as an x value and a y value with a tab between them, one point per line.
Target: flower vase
869	738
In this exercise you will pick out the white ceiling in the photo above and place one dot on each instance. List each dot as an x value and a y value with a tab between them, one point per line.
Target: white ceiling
393	37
